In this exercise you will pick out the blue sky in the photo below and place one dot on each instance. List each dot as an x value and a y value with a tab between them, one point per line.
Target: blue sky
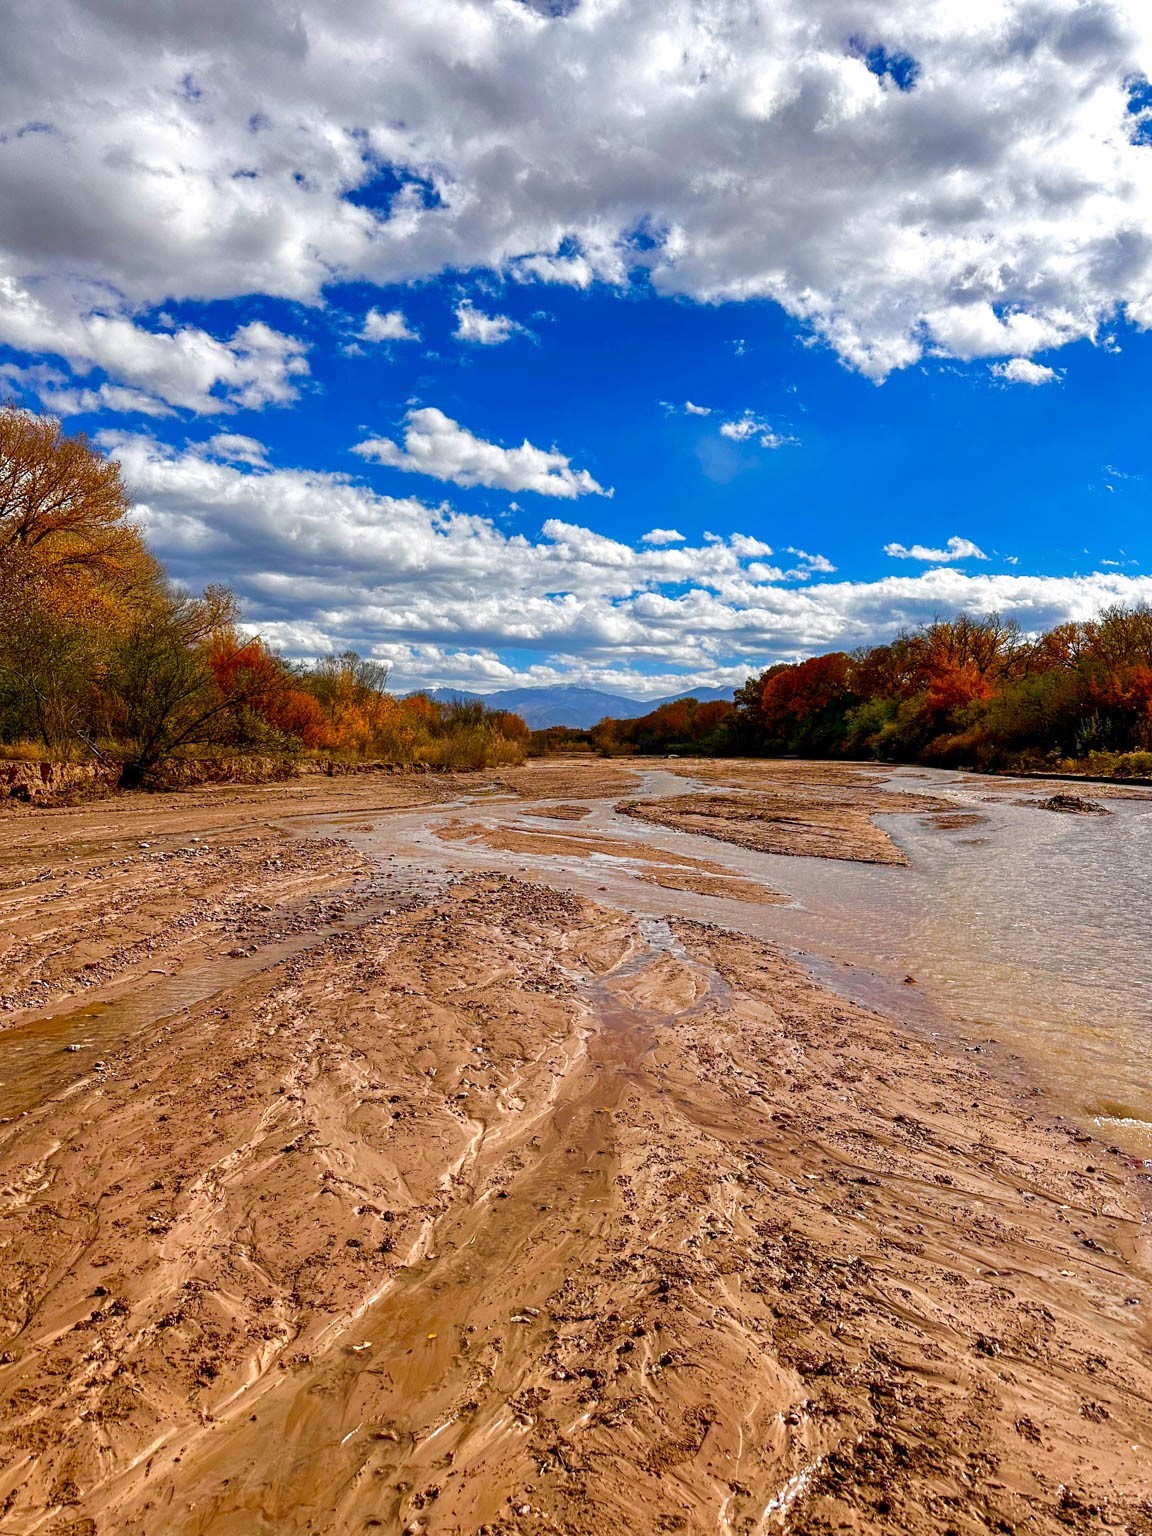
856	311
1053	475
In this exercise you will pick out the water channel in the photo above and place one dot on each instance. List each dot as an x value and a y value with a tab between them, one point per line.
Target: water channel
1030	928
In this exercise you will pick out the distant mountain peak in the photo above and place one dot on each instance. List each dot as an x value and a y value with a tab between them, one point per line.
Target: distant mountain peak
572	704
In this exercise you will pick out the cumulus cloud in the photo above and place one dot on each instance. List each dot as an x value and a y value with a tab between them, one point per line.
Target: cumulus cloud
809	565
662	536
1021	370
387	327
697	410
322	561
183	366
572	271
56	392
955	549
436	445
483	330
234	448
989	194
743	429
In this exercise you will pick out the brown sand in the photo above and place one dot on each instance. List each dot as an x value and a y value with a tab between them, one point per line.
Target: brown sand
567	778
557	811
126	888
776	773
1067	805
673	871
502	1214
820	810
954	821
784	823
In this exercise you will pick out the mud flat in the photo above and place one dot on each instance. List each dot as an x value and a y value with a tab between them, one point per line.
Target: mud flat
820	810
491	1208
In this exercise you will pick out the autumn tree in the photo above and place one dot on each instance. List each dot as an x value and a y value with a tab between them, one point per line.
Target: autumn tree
51	667
682	725
64	507
801	705
166	693
101	656
270	708
72	565
969	690
351	691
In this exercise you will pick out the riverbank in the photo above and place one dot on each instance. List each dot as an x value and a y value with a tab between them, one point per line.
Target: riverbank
501	1208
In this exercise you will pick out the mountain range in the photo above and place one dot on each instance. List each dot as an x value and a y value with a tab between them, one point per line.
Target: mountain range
570	704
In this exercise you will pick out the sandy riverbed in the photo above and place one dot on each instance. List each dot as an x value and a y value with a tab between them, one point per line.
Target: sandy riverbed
481	1206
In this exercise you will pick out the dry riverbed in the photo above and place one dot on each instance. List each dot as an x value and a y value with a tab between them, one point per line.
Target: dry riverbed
500	1210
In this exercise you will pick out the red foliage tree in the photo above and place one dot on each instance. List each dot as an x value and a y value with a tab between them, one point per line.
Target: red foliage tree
792	694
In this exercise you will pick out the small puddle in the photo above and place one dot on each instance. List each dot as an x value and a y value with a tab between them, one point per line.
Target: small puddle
44	1057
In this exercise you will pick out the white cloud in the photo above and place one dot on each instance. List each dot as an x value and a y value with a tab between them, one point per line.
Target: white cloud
234	448
58	394
183	367
484	330
743	428
662	536
1021	370
1001	206
572	271
955	549
387	327
697	410
436	445
321	561
809	565
748	548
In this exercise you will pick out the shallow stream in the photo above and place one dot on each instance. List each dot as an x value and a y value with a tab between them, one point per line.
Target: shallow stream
1026	932
1029	929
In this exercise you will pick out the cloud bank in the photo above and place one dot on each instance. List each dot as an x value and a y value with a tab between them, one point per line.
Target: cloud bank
904	177
322	561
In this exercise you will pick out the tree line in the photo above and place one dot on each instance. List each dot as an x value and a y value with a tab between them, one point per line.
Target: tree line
971	691
102	657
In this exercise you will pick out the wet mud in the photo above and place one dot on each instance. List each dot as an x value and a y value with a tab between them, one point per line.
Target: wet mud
492	1208
788	821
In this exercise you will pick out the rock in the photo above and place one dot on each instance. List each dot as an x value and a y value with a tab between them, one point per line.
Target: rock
1071	805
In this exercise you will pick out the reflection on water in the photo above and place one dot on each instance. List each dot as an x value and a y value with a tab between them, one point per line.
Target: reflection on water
1033	927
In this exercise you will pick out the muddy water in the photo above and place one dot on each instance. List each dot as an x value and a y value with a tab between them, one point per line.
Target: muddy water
1032	927
1028	927
62	1048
